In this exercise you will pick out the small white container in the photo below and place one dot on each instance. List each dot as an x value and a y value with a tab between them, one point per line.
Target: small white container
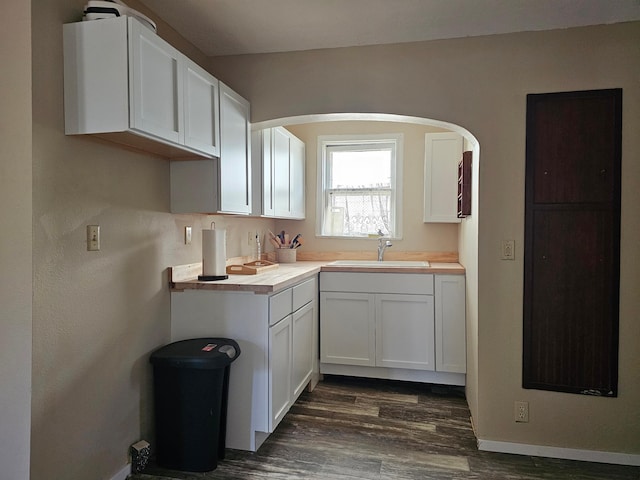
286	255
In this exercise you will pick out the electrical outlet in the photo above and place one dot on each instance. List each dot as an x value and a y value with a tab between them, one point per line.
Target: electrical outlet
508	248
251	238
93	238
521	412
187	235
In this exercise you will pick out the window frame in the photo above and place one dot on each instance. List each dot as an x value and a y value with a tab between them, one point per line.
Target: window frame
327	141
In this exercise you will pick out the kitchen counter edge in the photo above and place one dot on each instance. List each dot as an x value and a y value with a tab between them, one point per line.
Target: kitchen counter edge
289	274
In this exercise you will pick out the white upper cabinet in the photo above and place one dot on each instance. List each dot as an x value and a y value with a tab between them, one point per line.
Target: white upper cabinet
262	173
443	151
156	74
201	110
235	152
297	156
282	172
280	156
126	84
219	185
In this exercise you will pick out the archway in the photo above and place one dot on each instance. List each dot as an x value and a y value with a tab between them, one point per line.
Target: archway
467	231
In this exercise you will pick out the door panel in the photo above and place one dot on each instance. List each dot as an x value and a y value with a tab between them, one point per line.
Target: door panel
574	145
572	242
570	297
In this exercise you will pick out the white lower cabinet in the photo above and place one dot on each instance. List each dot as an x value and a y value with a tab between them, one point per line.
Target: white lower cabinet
347	334
277	335
404	331
280	368
451	351
397	326
304	352
292	336
383	330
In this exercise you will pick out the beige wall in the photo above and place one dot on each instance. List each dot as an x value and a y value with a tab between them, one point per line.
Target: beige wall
481	85
417	236
15	239
96	315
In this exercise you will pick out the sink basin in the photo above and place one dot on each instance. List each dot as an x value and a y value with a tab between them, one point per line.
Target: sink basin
384	263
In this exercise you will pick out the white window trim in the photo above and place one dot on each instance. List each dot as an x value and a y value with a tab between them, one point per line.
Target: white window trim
396	200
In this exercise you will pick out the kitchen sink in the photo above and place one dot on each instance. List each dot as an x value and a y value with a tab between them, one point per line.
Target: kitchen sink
384	263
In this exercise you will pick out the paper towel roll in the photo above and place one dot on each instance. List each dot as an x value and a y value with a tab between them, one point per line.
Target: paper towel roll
214	252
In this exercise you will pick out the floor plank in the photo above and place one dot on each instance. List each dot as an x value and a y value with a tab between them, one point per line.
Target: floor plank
355	429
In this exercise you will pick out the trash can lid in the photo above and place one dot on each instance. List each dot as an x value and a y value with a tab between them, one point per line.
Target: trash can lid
197	353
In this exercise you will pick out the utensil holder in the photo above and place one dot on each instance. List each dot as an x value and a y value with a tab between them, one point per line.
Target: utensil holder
286	255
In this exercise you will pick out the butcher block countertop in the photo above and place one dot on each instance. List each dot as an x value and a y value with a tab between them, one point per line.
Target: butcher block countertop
185	277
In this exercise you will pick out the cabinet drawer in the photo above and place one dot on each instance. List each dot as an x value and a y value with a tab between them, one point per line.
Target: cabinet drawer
280	305
408	283
304	292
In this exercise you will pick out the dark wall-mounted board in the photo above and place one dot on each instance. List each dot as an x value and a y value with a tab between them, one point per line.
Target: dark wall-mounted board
572	242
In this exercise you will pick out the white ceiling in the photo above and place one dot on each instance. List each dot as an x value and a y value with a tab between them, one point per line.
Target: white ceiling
230	27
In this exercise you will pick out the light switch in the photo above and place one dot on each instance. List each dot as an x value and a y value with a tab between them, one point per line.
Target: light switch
187	235
93	238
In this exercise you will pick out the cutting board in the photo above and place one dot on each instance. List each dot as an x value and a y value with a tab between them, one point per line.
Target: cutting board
251	268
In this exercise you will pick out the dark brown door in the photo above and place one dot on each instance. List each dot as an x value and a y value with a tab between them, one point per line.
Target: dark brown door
572	242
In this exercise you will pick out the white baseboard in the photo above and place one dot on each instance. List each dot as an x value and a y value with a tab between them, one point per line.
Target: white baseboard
123	474
559	452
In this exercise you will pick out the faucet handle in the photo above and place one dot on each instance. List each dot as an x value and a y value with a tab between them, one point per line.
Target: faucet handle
380	234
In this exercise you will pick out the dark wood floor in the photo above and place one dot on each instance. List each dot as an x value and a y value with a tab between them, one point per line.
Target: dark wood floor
355	429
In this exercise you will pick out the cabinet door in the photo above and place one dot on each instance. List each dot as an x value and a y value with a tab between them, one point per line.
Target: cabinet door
404	331
303	322
266	163
155	84
443	151
201	110
347	328
297	157
282	172
280	356
235	153
451	345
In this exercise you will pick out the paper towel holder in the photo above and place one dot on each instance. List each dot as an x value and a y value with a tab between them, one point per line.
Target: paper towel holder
211	278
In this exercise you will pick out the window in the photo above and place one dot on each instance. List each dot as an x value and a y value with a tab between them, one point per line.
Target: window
359	180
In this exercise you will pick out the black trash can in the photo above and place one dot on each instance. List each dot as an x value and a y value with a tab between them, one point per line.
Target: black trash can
191	383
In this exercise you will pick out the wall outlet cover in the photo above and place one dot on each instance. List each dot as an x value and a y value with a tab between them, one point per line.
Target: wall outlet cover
508	248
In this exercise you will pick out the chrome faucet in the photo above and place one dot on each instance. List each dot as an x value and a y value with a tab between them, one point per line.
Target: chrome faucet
382	246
